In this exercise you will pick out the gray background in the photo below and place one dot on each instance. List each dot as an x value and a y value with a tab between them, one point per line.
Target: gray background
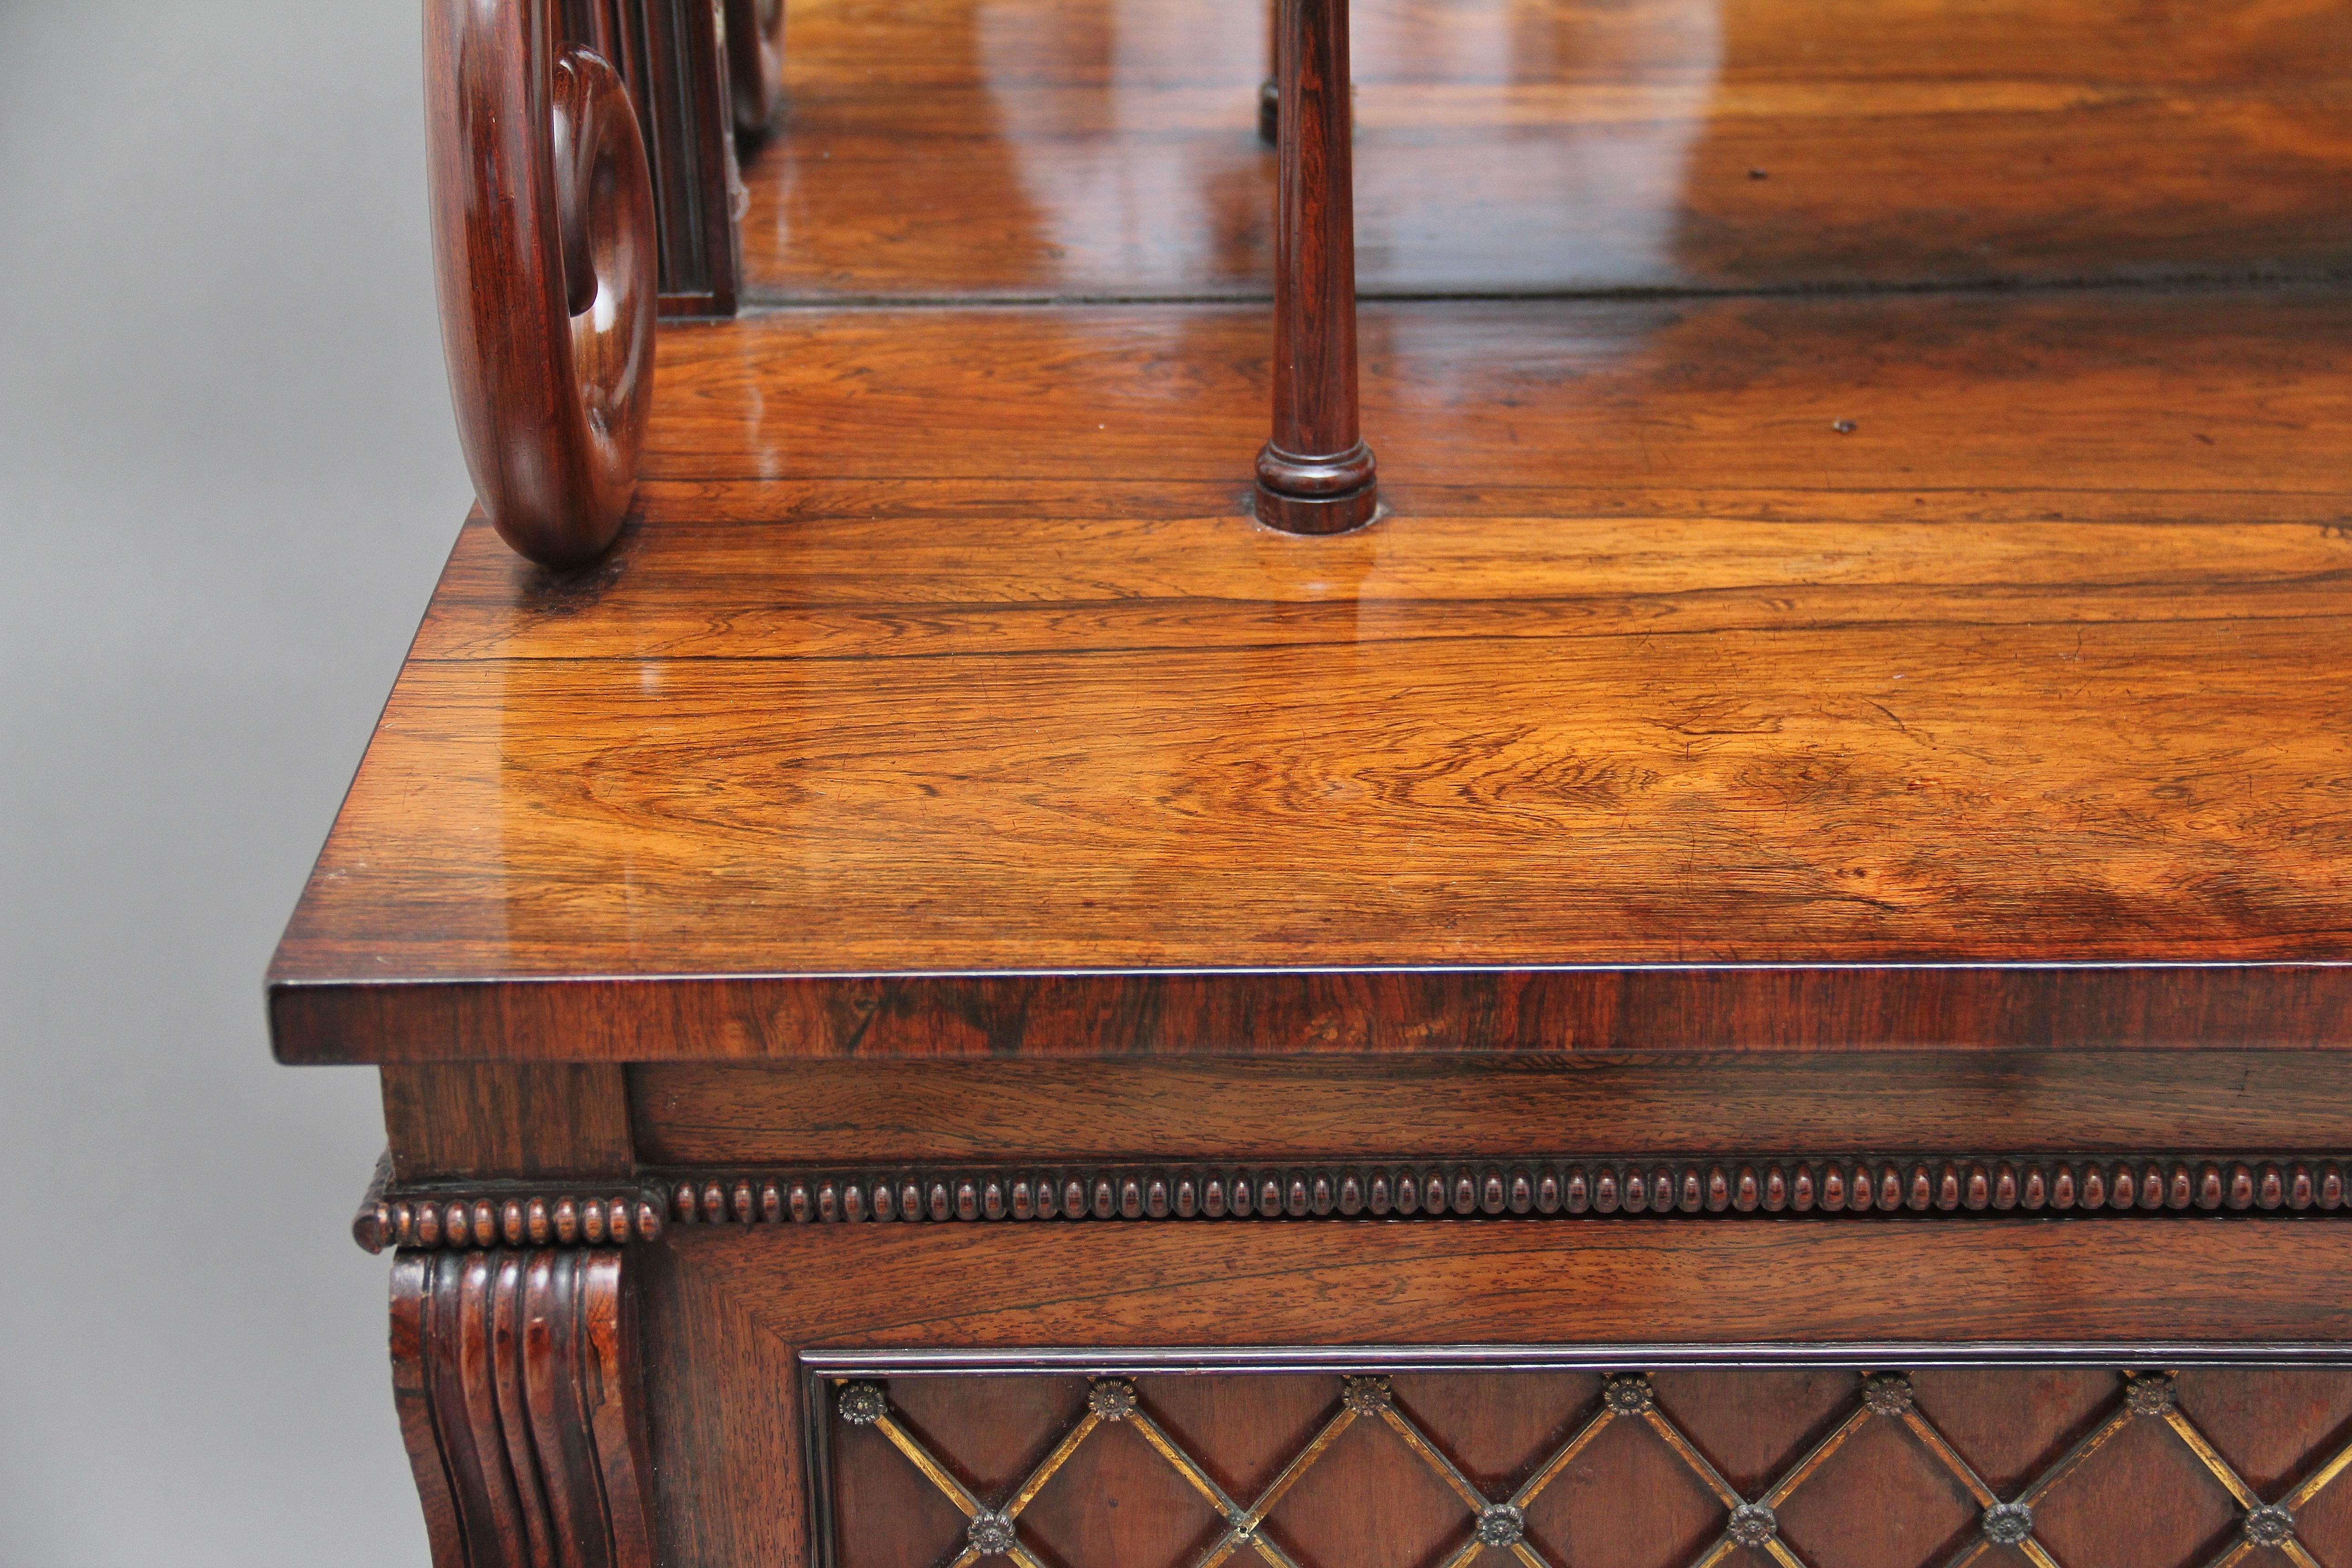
228	477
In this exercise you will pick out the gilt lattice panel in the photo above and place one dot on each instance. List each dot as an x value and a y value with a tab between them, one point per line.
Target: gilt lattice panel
1690	1467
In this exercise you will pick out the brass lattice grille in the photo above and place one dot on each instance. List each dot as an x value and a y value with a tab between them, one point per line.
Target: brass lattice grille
1499	1524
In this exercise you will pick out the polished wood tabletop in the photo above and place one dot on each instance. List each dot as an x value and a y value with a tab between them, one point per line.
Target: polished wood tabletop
1874	670
1089	148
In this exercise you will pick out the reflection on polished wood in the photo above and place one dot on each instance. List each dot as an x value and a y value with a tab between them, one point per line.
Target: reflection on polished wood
755	63
941	645
1109	147
1807	854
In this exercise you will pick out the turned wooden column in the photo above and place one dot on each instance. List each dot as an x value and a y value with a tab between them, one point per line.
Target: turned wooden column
1316	475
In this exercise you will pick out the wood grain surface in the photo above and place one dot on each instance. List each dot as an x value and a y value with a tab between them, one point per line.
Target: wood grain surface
507	1121
725	1426
1077	149
862	1111
904	1287
1662	713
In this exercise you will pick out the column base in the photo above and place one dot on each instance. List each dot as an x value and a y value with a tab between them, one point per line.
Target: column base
1326	494
1318	514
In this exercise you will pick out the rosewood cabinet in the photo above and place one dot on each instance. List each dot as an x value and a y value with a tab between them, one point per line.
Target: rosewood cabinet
1756	970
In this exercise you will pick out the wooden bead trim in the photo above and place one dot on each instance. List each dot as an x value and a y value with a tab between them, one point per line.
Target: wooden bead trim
504	1216
1856	1186
538	1220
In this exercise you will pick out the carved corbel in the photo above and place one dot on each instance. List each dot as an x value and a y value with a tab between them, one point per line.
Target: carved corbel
516	1375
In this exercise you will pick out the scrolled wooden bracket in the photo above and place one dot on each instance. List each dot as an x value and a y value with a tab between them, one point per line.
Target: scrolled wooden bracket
516	1376
545	254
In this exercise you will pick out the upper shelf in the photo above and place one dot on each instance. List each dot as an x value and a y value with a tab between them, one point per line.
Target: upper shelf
1666	711
1088	148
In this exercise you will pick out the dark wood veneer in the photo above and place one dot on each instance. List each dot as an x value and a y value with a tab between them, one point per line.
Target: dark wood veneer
866	1111
507	1121
2292	1006
1369	1283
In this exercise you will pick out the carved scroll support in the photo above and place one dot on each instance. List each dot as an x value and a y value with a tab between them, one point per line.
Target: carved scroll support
546	259
516	1375
1316	476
